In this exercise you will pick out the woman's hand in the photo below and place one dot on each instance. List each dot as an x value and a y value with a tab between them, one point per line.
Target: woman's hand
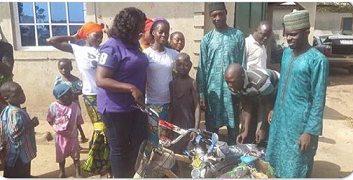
76	37
136	94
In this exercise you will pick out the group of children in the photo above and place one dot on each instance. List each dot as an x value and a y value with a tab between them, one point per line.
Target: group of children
64	115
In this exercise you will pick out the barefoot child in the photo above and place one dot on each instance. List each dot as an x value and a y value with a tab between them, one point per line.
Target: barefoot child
17	133
184	107
65	117
65	68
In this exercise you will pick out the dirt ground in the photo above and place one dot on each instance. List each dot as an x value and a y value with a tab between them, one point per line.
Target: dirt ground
334	156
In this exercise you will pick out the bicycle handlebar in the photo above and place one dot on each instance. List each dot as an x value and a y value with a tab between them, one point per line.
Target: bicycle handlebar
183	135
182	132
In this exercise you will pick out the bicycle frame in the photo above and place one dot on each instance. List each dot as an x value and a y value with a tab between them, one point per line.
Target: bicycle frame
157	142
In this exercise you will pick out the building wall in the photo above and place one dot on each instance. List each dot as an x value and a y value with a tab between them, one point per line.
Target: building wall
179	14
35	70
325	23
329	22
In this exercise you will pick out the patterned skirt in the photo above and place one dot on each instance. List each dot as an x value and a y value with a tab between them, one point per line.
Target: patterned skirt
98	154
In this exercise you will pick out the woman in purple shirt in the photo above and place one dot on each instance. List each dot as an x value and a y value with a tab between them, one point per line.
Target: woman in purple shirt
120	78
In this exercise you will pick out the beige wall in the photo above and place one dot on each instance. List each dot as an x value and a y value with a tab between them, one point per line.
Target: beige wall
37	80
325	22
35	70
179	14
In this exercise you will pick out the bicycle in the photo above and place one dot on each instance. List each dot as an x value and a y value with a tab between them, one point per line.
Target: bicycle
208	156
154	159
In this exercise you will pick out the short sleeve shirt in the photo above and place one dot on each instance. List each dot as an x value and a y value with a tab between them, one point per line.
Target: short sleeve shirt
159	74
260	82
87	58
129	65
65	118
256	56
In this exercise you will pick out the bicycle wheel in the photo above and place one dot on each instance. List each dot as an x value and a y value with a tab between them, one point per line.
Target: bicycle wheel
140	155
220	171
223	167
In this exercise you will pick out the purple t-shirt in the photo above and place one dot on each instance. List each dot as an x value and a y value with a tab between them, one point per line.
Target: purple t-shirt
129	65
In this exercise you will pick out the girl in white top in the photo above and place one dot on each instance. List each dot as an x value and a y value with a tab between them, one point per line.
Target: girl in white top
86	56
159	71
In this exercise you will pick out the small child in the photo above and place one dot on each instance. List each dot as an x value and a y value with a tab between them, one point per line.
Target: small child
65	68
184	108
65	117
17	133
177	41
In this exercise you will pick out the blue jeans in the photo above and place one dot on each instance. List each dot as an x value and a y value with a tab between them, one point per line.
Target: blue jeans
125	132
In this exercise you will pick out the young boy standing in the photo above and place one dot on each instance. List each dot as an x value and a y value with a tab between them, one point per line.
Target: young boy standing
17	133
184	109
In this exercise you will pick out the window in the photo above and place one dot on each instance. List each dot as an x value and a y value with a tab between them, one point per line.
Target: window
346	26
36	21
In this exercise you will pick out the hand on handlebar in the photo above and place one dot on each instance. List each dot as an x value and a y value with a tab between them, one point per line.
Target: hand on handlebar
260	136
137	95
192	136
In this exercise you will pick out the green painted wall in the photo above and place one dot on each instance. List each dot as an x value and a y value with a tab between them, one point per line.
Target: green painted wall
248	15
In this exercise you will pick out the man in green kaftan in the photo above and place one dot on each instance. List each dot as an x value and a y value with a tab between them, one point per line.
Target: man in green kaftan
219	47
298	112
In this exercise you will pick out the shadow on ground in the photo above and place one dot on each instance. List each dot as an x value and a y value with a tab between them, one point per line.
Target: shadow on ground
339	76
70	172
332	114
326	140
324	169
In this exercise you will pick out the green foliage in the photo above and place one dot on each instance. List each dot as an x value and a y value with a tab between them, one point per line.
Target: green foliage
335	7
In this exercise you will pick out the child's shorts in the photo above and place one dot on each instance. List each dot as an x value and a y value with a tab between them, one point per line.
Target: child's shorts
65	147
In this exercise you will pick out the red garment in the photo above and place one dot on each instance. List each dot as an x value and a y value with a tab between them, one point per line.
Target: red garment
148	24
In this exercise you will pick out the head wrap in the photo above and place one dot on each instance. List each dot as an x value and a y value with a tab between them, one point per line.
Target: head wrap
216	6
296	20
160	18
148	24
60	89
88	28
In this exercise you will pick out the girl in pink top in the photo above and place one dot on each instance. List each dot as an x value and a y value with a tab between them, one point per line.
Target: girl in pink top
65	117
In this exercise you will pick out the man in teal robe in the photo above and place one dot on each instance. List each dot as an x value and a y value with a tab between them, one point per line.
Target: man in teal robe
298	112
219	47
